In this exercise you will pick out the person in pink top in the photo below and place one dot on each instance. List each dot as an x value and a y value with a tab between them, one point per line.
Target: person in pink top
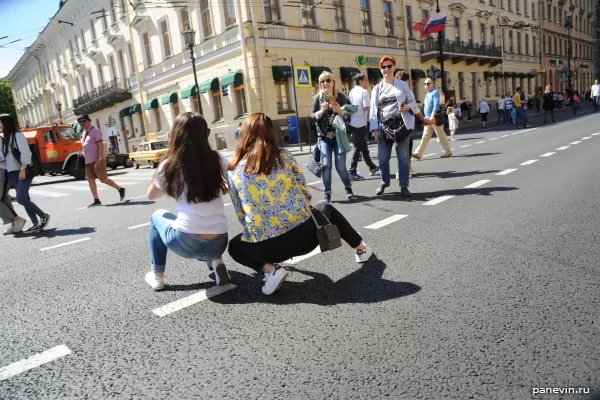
95	159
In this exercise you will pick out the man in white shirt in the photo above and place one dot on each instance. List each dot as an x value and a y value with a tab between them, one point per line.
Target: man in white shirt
595	93
501	111
358	124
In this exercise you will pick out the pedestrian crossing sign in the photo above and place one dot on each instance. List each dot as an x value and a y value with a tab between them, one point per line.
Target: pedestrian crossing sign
302	77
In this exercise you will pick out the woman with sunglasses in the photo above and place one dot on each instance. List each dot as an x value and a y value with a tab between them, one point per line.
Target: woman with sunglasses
326	105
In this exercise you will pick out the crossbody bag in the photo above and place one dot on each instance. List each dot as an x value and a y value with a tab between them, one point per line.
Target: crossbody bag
393	130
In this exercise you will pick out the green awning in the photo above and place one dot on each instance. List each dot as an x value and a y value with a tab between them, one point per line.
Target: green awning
508	74
211	84
487	74
316	71
232	78
417	74
374	73
348	73
124	112
531	74
153	103
169	98
135	109
189	91
281	73
497	74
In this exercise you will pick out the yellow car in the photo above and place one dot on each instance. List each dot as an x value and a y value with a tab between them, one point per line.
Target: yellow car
149	153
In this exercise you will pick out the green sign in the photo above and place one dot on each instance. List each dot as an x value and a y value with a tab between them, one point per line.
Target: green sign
362	60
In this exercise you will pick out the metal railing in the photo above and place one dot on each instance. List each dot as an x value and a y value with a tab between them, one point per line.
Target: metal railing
461	47
113	86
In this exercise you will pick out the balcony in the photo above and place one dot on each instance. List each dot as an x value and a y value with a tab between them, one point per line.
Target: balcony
104	96
459	51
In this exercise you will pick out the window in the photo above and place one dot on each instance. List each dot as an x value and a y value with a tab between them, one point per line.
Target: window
493	36
526	8
554	15
308	13
166	40
175	109
389	18
121	58
104	19
131	63
470	32
339	19
555	47
365	16
113	66
147	49
510	41
229	12
457	29
205	16
482	34
217	105
283	96
526	44
100	74
158	121
502	4
184	14
424	15
548	10
240	100
560	15
409	21
518	6
83	45
112	11
272	10
534	40
93	30
159	145
50	136
560	46
519	49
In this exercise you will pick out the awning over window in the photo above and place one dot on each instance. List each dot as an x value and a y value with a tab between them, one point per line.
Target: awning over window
497	74
417	74
232	78
153	103
316	71
189	91
135	109
348	73
531	74
169	98
124	112
210	85
374	73
281	72
508	74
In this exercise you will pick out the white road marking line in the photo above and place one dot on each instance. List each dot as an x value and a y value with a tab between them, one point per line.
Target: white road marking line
65	244
69	187
427	155
477	184
516	133
506	171
121	183
386	221
563	148
191	300
314	183
437	200
548	154
34	361
596	134
529	162
227	204
138	226
481	141
304	257
466	145
46	193
136	197
505	136
82	208
494	138
576	142
586	138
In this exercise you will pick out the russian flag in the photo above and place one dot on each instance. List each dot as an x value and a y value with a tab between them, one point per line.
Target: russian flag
436	23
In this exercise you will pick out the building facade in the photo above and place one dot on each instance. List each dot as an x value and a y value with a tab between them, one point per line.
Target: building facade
127	64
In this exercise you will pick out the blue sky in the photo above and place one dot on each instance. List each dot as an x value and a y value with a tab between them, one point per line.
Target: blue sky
21	19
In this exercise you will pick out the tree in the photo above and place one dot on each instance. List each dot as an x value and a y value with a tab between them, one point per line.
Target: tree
7	106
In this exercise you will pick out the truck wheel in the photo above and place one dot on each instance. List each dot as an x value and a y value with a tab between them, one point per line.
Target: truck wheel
153	164
127	163
136	165
78	174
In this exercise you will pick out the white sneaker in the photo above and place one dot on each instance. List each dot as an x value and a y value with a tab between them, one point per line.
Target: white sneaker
274	280
155	282
16	227
221	275
363	256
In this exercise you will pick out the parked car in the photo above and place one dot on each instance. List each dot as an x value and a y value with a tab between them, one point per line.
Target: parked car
116	160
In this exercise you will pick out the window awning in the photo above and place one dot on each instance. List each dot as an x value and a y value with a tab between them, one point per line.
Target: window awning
135	109
210	85
497	74
169	98
281	72
531	74
232	78
348	73
316	71
417	74
189	91
374	73
153	103
508	74
124	112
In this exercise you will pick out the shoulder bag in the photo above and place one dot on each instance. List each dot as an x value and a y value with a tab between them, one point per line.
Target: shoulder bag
314	162
29	173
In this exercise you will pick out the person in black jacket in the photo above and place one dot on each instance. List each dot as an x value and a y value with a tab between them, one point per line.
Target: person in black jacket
327	103
548	104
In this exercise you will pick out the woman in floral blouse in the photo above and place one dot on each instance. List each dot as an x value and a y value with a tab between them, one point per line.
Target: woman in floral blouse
270	196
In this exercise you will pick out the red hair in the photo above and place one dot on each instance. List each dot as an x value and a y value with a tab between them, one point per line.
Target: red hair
387	58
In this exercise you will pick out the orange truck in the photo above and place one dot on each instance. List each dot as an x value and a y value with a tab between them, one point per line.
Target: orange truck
58	147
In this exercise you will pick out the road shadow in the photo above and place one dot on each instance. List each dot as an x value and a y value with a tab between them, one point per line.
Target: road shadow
57	232
426	196
475	155
131	203
56	179
473	138
363	286
451	174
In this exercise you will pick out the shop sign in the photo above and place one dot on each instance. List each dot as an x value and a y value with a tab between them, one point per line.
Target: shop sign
363	60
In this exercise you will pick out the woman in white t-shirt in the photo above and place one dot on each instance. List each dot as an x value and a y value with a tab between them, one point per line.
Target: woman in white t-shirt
194	175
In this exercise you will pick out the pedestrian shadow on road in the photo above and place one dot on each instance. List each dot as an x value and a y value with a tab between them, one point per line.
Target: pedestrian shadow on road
365	285
426	196
470	138
57	232
451	174
131	203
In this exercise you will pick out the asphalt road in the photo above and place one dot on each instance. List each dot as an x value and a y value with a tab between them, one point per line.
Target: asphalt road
485	285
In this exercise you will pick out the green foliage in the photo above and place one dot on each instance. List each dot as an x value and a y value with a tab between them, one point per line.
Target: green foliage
7	106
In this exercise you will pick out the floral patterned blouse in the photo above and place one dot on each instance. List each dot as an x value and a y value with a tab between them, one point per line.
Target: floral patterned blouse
269	205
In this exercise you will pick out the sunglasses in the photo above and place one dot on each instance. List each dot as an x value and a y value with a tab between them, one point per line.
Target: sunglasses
326	80
426	83
388	66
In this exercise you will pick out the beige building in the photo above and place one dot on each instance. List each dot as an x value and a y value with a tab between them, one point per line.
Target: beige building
126	64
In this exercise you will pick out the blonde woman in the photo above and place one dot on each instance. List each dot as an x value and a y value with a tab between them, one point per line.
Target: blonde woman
452	123
326	105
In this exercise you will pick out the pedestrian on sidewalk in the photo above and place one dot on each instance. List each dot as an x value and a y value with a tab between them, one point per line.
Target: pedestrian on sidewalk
194	175
95	159
360	98
519	101
17	155
501	111
595	94
484	110
452	123
548	104
272	202
509	105
7	211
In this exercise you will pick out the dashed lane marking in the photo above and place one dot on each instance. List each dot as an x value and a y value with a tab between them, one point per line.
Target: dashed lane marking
386	221
505	136
548	154
529	162
431	154
576	142
563	148
304	257
191	300
506	171
596	134
586	138
34	361
47	193
314	183
494	138
227	204
136	197
481	141
437	200
466	145
477	184
66	244
138	226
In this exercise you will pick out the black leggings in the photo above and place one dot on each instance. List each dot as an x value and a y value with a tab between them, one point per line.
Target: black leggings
299	241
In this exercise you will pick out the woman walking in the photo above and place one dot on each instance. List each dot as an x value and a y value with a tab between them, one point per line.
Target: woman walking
484	110
194	175
18	157
548	104
401	83
7	211
452	123
326	105
270	196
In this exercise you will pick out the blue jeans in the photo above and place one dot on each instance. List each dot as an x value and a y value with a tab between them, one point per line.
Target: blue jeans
384	150
163	237
22	189
521	117
329	148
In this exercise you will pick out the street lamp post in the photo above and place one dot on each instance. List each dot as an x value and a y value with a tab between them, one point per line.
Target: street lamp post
568	25
189	34
59	109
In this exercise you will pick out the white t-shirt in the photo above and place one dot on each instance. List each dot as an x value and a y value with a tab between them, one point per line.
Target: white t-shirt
388	101
359	97
484	107
500	103
197	218
595	90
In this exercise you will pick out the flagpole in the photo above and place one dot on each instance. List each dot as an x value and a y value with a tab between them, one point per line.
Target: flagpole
440	41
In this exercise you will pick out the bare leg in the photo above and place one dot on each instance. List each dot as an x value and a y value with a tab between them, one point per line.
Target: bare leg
110	183
93	187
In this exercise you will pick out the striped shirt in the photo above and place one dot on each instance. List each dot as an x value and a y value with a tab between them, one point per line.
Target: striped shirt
509	103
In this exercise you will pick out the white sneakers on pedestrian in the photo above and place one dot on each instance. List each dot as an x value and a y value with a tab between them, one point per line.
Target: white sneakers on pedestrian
155	282
363	256
274	280
16	227
221	275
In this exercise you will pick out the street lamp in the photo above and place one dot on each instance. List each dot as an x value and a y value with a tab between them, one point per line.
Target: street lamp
59	109
189	35
569	26
441	49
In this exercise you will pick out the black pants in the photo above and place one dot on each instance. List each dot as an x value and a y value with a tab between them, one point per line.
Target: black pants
299	241
551	114
359	140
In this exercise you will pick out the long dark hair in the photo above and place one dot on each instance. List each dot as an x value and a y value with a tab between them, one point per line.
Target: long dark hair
9	128
191	163
258	145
